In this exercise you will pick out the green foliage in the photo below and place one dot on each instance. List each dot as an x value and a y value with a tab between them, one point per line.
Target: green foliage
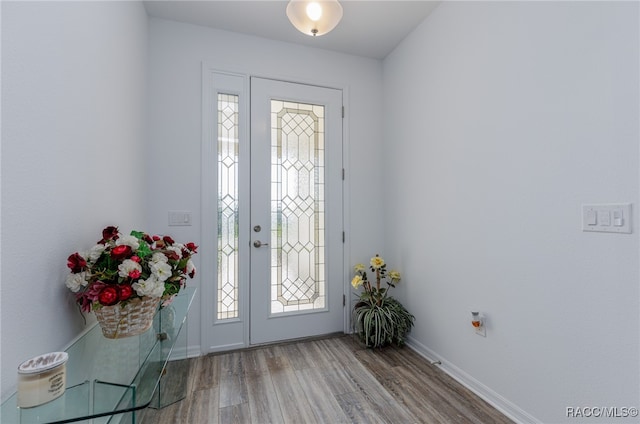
143	250
383	322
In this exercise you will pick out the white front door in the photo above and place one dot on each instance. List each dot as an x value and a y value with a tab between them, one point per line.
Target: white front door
296	278
271	257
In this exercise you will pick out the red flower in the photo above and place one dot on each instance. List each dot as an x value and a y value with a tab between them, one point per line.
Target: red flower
83	301
121	252
192	247
156	238
168	240
76	263
124	292
94	290
172	255
135	258
135	274
108	296
109	233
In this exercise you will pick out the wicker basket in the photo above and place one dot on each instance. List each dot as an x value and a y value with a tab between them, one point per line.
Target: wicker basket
134	318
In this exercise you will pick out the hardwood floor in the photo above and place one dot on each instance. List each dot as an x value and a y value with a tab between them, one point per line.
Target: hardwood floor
332	380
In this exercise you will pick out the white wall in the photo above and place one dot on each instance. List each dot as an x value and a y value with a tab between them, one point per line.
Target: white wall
73	156
501	119
513	115
176	54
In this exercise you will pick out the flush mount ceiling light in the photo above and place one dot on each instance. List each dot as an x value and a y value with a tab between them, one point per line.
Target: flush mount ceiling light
314	17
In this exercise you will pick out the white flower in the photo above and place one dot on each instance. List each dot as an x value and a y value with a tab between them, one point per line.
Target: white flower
150	287
160	270
158	290
130	241
125	268
143	287
95	252
75	281
159	257
191	268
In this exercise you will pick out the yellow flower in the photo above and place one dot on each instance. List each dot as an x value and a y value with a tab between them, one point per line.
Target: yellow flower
359	267
356	282
394	275
377	262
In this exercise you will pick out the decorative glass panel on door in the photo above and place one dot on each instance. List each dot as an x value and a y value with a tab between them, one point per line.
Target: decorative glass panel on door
297	207
228	139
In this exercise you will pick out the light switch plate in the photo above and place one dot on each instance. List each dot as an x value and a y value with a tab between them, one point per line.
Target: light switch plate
607	218
179	218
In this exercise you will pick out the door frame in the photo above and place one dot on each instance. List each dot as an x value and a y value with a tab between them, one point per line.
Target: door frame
237	331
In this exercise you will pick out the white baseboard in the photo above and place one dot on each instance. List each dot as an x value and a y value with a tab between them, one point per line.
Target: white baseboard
184	353
194	351
227	347
494	399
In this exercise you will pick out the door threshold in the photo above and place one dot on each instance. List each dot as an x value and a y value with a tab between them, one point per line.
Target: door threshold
281	343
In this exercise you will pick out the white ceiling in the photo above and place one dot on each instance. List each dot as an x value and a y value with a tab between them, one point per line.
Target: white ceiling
370	28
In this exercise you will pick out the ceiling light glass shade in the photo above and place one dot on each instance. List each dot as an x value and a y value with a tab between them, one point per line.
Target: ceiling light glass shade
314	17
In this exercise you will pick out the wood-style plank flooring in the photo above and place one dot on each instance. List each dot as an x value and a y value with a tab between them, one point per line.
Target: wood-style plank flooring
330	380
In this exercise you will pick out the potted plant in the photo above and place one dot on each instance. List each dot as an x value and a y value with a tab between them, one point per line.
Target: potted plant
378	318
123	278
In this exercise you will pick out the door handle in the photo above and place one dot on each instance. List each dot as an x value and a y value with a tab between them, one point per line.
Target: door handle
258	243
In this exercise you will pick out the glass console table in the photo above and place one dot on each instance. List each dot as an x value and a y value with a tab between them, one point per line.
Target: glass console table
109	380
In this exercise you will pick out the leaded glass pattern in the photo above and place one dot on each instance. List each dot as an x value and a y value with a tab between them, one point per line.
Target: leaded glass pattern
228	141
297	207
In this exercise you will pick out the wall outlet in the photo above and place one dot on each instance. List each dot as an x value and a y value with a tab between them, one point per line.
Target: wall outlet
477	320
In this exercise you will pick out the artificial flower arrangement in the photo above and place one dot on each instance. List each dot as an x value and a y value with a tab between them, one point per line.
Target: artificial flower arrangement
379	319
121	268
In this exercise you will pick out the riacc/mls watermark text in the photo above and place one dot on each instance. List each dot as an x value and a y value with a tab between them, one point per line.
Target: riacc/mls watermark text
601	411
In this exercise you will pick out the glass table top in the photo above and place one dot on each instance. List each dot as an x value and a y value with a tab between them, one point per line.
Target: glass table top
109	376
